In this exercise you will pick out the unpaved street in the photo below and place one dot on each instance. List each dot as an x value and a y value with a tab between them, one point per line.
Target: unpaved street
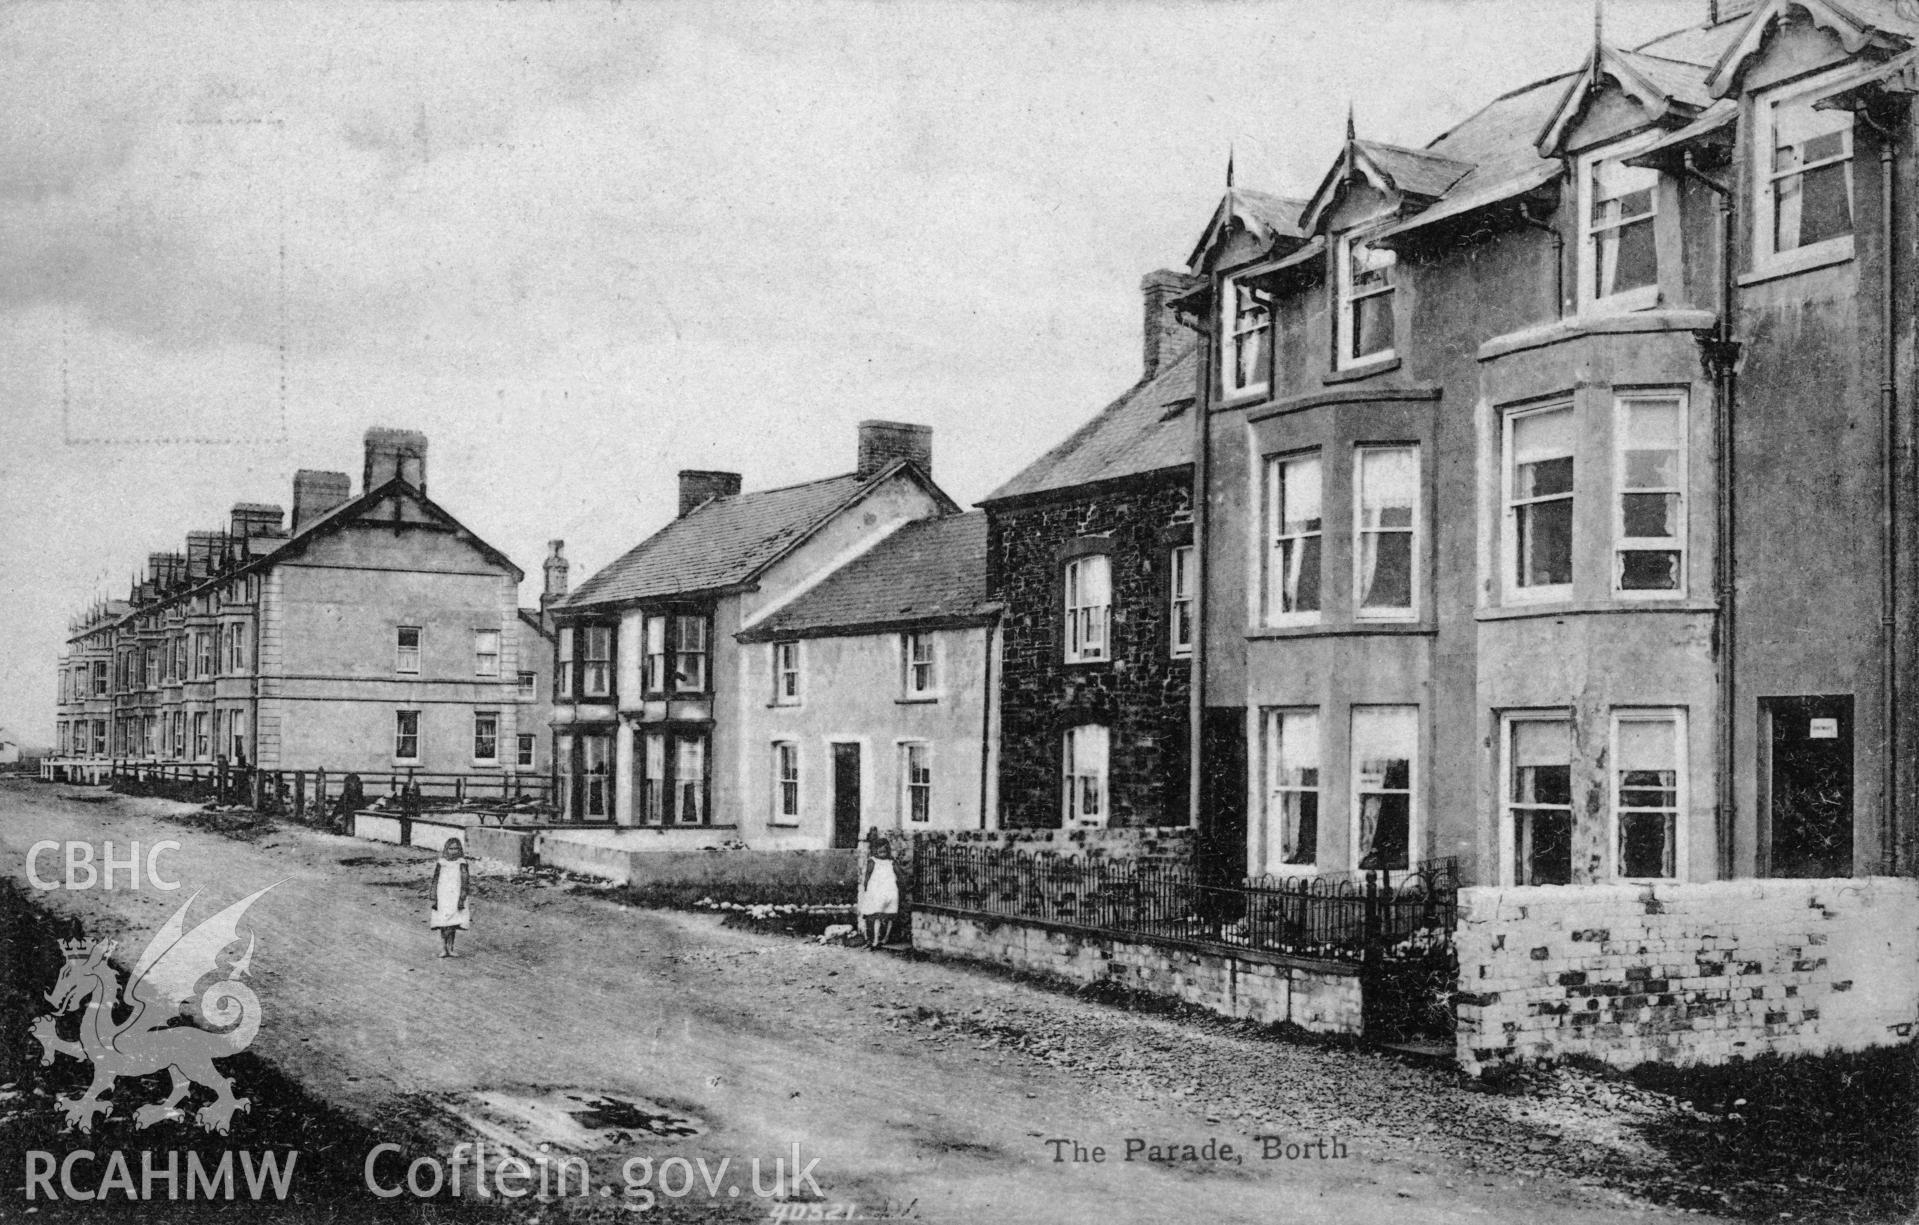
909	1080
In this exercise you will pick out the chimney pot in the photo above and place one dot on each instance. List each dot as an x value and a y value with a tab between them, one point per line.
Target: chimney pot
1164	333
698	487
883	442
391	453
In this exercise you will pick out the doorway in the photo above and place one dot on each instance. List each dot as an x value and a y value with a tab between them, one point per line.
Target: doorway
846	795
1809	786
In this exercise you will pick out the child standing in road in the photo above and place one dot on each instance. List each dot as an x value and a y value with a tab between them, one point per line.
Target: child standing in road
879	894
449	894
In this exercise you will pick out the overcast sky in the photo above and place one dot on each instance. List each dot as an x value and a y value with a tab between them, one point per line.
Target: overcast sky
585	245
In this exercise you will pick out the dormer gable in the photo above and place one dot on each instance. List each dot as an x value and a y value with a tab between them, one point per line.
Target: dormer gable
1406	179
1858	27
1268	223
1616	91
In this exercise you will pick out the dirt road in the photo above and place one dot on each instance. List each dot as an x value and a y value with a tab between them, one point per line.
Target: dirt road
909	1081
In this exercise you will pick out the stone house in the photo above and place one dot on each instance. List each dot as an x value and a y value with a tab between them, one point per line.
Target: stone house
1511	451
650	721
1090	557
868	702
371	634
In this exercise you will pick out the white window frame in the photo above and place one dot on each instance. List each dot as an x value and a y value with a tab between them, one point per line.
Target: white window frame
911	785
1639	297
1415	530
527	686
596	684
786	672
202	736
526	750
1230	330
1356	797
1344	336
400	736
1079	642
406	660
564	681
1182	602
1071	810
919	665
653	653
485	662
1510	589
1765	257
494	758
695	649
1622	543
1272	813
786	782
1676	717
596	802
1274	567
1508	803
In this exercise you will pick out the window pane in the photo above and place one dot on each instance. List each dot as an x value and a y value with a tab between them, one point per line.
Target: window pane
1299	496
1545	543
1372	325
1816	204
1543	435
1384	740
1389	483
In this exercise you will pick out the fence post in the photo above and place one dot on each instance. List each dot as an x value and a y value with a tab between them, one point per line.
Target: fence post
299	795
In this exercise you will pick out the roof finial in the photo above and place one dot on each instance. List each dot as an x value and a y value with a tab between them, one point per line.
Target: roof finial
1229	164
1352	132
1599	27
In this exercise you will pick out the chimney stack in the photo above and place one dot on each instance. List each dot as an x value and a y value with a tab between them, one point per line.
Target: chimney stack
882	442
315	493
556	568
391	453
256	519
698	487
1164	333
203	549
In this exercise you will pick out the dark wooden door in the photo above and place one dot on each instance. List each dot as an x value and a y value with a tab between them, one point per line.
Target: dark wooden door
1811	786
846	795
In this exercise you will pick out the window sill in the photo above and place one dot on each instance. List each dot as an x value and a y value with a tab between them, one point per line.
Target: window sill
1808	260
1347	629
1571	608
668	829
1363	370
1086	663
1244	396
926	700
785	705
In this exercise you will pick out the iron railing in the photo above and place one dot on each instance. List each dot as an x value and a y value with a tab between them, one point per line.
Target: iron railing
328	796
1351	917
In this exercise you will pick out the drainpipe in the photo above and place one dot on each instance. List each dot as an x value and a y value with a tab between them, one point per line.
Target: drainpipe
1202	489
1888	493
1720	353
987	751
1559	256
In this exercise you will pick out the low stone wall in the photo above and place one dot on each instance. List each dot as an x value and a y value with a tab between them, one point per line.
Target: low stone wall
775	874
1323	997
1168	843
420	832
511	847
1686	973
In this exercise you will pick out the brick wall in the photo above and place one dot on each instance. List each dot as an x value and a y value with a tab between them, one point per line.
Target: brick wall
1141	694
1249	986
1684	973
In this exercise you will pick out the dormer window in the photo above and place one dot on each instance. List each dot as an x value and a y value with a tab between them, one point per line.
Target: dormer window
1618	258
1804	211
1246	328
1367	276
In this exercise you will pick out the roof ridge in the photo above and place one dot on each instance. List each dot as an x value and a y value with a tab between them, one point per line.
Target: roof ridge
1507	96
1424	152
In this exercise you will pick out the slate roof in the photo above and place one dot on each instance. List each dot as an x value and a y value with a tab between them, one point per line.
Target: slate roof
1145	430
929	569
723	543
1419	172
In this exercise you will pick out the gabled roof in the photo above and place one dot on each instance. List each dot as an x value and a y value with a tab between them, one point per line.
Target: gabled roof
1667	90
1414	174
728	541
1887	25
1267	217
929	570
1146	430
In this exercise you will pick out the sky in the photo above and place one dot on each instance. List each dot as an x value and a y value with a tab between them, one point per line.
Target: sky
584	245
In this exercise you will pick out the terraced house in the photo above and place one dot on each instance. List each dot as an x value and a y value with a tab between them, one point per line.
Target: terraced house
374	633
1557	494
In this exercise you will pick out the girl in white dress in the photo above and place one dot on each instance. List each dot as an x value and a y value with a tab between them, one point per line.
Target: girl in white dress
449	894
879	894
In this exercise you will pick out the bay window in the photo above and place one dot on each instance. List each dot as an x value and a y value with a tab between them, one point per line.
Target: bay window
1537	473
1385	530
1537	798
1089	598
1648	759
1084	766
1367	280
1804	210
1291	838
673	778
1293	527
1650	551
1385	740
1245	328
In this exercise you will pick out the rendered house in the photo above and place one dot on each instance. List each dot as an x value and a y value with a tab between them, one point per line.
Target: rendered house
870	698
1563	522
650	715
1089	555
374	634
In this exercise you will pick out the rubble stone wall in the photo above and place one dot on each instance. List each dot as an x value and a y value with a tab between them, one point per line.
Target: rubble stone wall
1686	973
1321	997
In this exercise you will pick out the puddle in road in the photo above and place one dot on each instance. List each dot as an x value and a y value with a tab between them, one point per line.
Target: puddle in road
576	1120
